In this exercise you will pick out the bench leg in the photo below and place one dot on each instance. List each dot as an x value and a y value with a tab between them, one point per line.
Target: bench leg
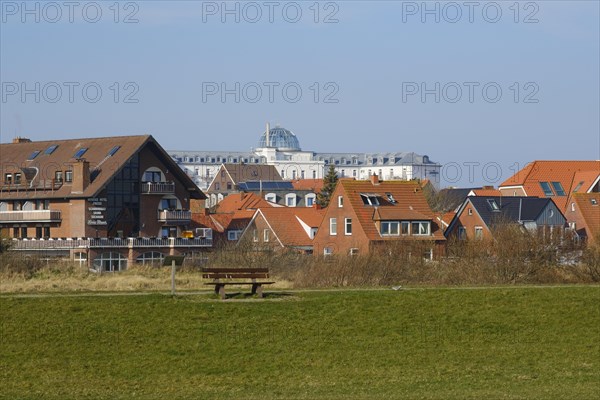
257	289
220	290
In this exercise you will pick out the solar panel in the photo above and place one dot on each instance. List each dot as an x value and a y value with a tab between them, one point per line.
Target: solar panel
266	185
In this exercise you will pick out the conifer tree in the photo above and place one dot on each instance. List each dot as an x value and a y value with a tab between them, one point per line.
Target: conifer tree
329	182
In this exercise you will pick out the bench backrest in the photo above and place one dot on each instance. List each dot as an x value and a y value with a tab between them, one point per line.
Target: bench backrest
235	273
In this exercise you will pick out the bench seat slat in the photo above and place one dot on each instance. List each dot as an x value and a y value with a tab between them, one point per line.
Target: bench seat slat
234	276
247	270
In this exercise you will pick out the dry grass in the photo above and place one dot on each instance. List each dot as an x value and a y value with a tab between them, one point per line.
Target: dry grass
514	257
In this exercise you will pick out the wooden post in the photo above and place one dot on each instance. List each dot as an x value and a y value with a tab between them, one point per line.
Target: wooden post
173	277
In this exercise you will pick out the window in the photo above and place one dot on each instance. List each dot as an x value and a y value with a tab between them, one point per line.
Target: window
370	199
16	231
80	258
462	233
228	185
332	226
572	206
390	228
340	201
113	151
493	205
152	176
266	235
594	202
46	231
327	251
290	200
558	189
348	226
168	204
68	176
80	152
353	251
23	232
51	149
578	187
390	198
17	178
420	228
405	226
58	176
309	199
222	174
478	232
38	232
217	186
314	174
110	262
233	235
33	155
8	179
150	257
272	197
547	189
470	211
255	235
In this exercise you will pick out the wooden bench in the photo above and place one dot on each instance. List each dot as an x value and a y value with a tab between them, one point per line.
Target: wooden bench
222	277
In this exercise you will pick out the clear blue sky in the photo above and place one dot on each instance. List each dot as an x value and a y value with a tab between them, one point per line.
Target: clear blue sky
373	55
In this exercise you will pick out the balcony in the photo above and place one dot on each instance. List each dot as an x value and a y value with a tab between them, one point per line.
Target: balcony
175	216
157	187
108	243
7	217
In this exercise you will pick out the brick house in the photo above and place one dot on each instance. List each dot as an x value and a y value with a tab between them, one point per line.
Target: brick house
99	191
477	216
363	216
278	228
584	216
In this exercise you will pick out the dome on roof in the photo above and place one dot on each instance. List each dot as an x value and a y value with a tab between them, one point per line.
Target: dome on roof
280	138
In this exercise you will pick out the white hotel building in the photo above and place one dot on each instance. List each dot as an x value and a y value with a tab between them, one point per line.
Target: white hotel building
281	148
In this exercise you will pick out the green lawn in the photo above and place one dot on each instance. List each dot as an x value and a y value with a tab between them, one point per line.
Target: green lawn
514	343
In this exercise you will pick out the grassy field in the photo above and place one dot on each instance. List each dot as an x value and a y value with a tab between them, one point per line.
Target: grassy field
500	343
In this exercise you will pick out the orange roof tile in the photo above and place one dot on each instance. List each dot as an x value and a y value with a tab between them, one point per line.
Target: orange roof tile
589	211
285	223
553	171
487	192
314	185
407	194
241	201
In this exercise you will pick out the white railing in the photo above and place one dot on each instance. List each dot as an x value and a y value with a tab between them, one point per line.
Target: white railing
30	216
158	187
94	243
176	215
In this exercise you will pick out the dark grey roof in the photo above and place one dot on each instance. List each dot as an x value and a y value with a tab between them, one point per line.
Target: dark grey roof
511	209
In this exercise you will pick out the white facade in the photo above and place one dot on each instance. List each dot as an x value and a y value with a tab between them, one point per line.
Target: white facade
284	152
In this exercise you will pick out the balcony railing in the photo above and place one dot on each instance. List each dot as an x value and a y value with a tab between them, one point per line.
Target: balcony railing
30	216
174	216
95	243
158	187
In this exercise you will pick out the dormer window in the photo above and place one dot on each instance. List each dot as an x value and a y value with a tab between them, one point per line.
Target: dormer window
558	189
547	189
390	198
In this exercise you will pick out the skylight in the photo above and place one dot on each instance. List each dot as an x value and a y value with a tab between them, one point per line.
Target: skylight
558	189
113	151
493	205
370	199
547	189
390	198
33	155
579	185
51	149
80	152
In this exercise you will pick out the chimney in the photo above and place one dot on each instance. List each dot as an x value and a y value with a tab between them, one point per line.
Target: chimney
488	187
375	179
81	176
20	139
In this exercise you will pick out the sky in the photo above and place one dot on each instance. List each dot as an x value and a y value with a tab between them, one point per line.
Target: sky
480	87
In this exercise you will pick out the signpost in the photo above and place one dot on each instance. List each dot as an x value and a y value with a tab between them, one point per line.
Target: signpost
173	261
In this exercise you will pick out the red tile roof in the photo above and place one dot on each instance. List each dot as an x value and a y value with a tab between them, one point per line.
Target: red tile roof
564	172
286	225
487	192
409	199
589	211
242	201
314	185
